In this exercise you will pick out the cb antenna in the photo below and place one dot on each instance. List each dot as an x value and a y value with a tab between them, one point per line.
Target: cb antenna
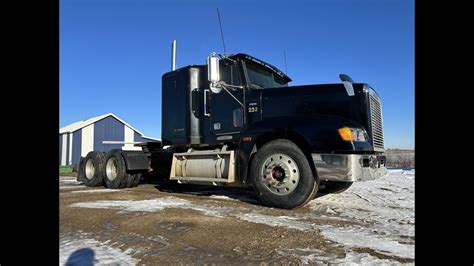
222	33
286	68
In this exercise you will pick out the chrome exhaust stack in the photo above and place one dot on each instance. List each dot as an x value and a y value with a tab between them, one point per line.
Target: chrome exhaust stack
173	56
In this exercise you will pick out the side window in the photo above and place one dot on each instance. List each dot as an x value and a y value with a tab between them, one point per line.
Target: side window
236	76
230	74
225	72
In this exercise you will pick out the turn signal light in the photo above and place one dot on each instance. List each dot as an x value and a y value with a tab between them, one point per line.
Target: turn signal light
345	133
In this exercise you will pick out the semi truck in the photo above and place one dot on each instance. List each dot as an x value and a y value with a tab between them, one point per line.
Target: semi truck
236	122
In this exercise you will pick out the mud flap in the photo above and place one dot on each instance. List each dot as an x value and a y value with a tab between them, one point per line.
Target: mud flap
136	160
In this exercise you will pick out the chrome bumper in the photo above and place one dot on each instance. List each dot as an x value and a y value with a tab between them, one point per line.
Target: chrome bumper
349	167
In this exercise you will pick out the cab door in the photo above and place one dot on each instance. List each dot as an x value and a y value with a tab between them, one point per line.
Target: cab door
225	113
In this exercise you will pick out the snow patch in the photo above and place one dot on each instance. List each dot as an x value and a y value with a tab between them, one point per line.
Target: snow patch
221	197
355	237
97	190
386	207
86	251
72	187
285	221
69	181
62	178
235	198
226	195
312	256
152	205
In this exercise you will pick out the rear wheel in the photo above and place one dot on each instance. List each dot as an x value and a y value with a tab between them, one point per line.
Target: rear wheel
334	187
282	175
91	169
116	175
115	170
134	179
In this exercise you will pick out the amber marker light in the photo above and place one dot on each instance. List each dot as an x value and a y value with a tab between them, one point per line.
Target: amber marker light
345	133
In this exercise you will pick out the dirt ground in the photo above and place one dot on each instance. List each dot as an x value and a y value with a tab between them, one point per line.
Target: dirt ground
160	223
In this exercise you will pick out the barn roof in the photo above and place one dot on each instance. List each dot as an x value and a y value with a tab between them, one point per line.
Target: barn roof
80	124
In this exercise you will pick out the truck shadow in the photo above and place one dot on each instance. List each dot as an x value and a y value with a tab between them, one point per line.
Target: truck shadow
246	195
320	195
83	256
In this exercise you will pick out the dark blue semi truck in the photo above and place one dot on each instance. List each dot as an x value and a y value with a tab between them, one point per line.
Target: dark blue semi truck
236	122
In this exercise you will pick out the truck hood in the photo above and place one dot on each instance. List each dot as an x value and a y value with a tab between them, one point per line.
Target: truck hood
319	100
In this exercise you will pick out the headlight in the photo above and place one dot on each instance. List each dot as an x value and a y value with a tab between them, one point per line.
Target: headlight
353	134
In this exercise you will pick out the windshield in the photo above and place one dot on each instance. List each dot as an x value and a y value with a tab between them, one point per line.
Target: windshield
262	77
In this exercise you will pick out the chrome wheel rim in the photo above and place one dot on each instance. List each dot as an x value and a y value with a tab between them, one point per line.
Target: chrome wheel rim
111	169
280	174
90	169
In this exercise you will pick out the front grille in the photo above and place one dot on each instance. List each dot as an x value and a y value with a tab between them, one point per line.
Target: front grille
376	121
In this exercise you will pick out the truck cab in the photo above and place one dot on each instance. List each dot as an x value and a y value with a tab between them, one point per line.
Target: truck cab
246	103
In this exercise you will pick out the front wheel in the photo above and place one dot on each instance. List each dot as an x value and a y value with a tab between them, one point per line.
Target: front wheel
282	176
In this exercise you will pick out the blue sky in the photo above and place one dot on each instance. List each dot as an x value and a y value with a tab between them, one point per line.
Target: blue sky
114	52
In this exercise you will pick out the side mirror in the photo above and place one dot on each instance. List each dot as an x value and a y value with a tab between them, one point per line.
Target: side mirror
213	72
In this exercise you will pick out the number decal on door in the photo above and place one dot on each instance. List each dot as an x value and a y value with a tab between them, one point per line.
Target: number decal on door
253	109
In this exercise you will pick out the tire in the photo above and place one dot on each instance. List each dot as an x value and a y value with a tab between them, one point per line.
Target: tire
115	170
334	187
76	166
79	167
282	176
92	169
134	179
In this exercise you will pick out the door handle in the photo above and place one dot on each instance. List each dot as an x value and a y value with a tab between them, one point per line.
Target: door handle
206	93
